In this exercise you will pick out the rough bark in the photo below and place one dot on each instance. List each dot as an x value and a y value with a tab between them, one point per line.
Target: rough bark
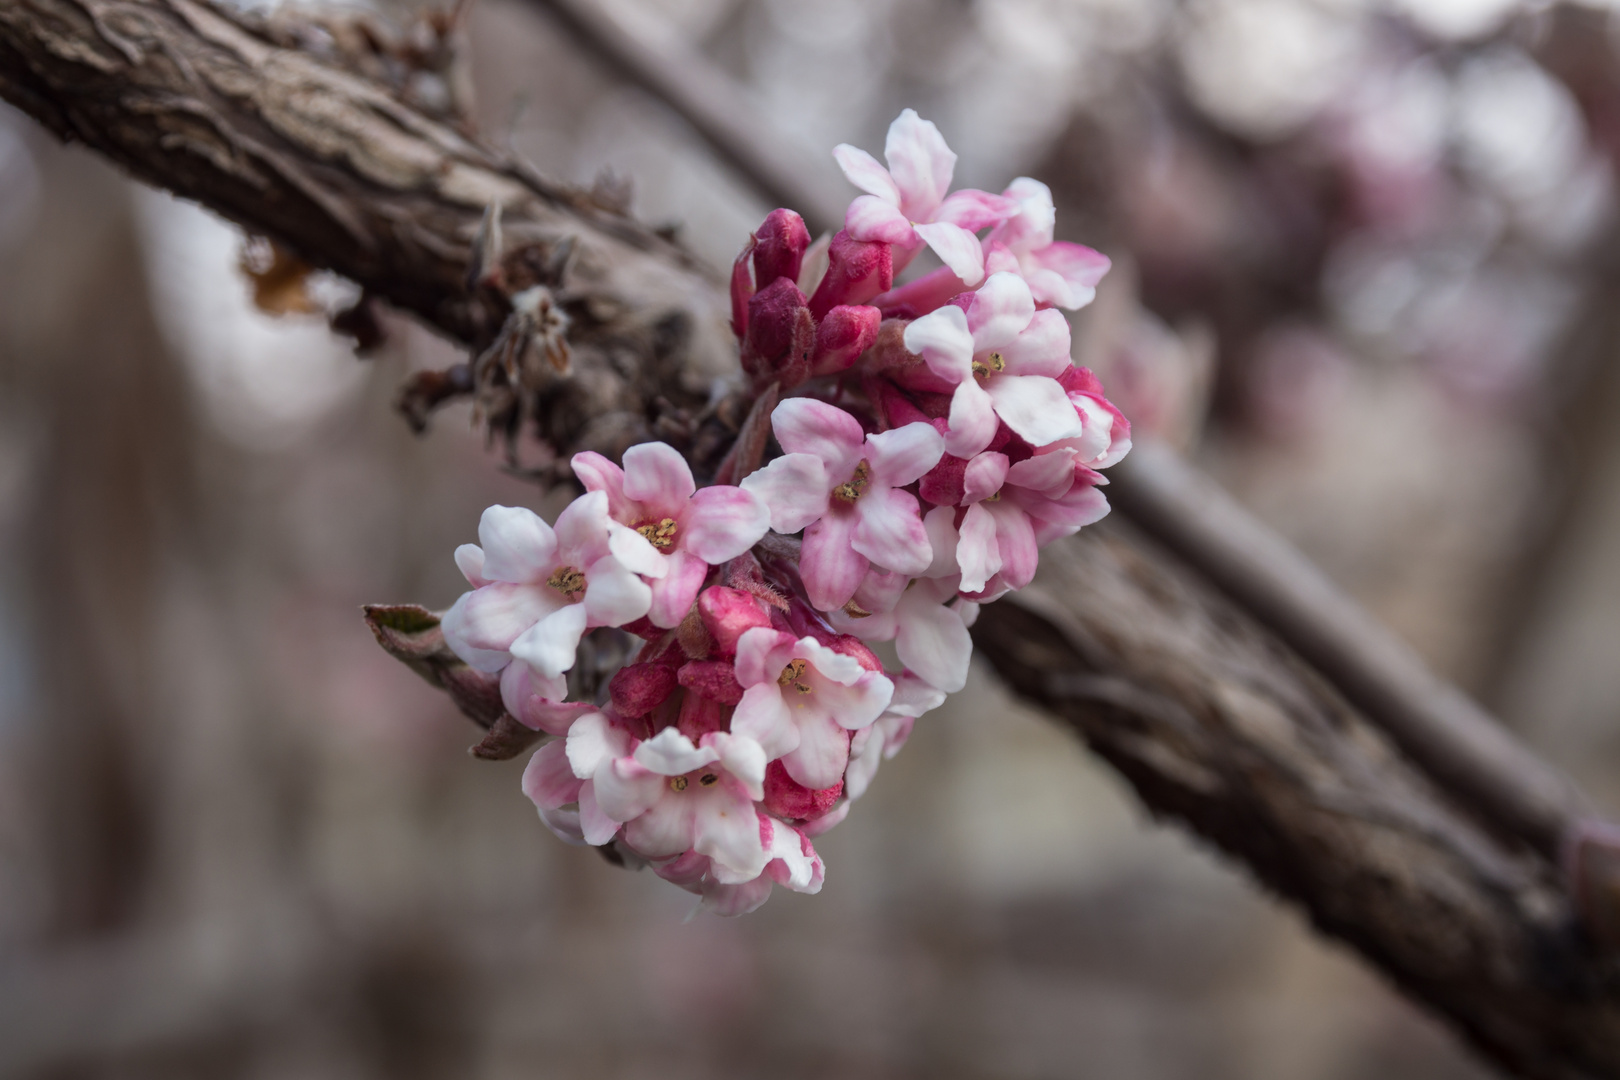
342	172
1212	718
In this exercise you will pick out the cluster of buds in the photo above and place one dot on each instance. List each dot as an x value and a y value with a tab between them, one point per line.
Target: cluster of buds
935	436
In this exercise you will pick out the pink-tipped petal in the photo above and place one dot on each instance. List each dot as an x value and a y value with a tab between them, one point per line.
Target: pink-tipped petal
1080	266
863	170
873	220
983	476
550	644
655	474
674	594
595	827
933	643
1035	407
807	426
723	522
582	529
920	163
1051	474
956	247
977	552
779	246
1043	347
614	595
855	706
492	618
1000	311
454	625
945	343
548	780
889	531
974	210
518	546
972	421
831	568
597	473
1031	228
819	759
793	488
1015	540
902	455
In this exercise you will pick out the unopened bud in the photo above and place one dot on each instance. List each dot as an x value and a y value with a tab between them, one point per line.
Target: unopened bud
843	334
730	613
780	243
790	800
713	679
857	270
639	688
781	334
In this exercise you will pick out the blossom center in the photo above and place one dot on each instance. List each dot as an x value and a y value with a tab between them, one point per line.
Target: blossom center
993	364
681	783
793	675
568	580
660	534
677	783
857	484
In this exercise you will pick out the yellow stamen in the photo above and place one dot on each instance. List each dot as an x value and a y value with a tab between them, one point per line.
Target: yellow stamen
568	580
708	779
677	783
855	611
660	534
856	487
793	675
993	364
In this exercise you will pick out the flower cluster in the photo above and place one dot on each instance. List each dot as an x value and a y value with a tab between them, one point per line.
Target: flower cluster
934	436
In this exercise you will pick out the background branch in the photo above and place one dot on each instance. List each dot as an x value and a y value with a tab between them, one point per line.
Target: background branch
1213	719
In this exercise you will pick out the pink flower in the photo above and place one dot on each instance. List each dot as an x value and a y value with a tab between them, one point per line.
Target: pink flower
842	487
542	588
930	637
1058	272
1106	434
671	795
801	700
873	745
907	204
793	862
663	528
1004	358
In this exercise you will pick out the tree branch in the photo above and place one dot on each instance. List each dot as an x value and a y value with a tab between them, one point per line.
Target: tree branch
1213	719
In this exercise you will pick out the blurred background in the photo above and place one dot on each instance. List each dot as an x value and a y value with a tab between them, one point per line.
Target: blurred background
1366	273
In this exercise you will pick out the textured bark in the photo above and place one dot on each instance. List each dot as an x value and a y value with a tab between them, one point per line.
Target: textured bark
339	170
1215	723
1212	719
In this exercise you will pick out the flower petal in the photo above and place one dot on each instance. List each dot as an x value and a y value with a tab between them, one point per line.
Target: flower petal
594	741
856	705
613	595
945	343
1015	540
634	551
518	546
956	247
597	473
889	531
977	552
863	170
920	163
763	716
1000	311
490	619
828	563
983	476
1080	268
901	455
761	653
819	759
975	210
595	826
913	696
1031	228
665	828
726	829
723	522
658	477
934	644
538	702
1050	473
972	422
669	753
582	530
547	779
1042	348
1030	405
940	524
674	594
625	791
550	644
793	488
808	426
743	758
470	561
872	219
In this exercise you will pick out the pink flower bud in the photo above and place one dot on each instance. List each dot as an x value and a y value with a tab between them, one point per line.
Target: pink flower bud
857	270
790	800
844	333
713	679
742	289
699	716
781	334
730	613
780	245
640	688
850	645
